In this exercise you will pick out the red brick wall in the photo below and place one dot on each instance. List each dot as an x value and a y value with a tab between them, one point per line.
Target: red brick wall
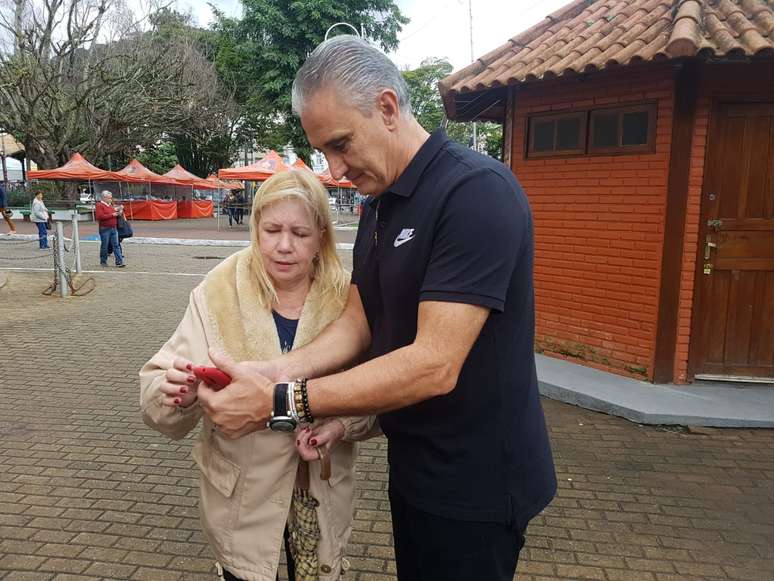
695	184
598	228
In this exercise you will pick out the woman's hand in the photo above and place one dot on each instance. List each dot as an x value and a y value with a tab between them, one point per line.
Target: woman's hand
180	384
323	436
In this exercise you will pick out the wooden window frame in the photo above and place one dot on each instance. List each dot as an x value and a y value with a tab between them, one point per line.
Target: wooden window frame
648	147
532	119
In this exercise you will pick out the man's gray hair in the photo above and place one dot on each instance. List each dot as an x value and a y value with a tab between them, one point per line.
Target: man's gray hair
353	67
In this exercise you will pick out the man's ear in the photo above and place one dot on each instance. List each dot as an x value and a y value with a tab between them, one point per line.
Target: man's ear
387	104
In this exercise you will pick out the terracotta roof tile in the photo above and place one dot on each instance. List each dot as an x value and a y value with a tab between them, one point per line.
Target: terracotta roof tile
589	35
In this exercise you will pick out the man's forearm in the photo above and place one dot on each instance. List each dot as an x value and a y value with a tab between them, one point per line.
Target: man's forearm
339	345
395	380
427	368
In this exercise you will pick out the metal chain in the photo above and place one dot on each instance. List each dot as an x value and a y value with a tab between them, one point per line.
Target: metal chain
60	268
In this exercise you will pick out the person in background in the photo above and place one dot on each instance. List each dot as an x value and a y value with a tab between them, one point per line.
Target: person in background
240	208
3	207
40	217
107	216
228	203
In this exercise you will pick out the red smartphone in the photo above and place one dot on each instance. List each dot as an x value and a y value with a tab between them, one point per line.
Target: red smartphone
212	376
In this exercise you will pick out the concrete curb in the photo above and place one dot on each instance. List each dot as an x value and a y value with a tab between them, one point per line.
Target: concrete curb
703	404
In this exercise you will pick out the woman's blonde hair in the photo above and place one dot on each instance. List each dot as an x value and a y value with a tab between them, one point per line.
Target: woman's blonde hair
298	184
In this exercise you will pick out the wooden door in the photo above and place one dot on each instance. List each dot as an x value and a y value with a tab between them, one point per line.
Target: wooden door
733	324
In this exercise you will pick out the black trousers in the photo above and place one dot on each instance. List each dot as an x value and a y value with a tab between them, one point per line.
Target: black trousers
434	548
291	566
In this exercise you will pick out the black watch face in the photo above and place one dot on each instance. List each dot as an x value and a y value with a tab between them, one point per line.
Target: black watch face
282	425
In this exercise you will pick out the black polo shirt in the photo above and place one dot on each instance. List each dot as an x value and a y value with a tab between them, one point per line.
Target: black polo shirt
456	227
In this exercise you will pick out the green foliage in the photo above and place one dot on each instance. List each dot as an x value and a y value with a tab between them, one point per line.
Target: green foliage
21	197
202	157
160	158
427	107
426	101
258	57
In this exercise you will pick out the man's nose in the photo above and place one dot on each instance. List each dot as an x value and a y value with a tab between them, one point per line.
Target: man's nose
337	168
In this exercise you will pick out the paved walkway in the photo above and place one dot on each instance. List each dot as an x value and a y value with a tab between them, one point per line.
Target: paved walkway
204	228
88	492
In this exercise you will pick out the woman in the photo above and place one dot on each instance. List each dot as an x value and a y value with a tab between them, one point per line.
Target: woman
276	295
40	217
107	214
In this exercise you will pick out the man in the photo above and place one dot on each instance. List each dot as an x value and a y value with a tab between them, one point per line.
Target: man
239	202
107	216
3	206
441	307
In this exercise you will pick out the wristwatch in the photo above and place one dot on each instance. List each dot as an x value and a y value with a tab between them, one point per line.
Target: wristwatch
281	416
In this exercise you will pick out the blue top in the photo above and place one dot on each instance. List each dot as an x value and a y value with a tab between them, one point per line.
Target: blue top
456	227
286	329
3	197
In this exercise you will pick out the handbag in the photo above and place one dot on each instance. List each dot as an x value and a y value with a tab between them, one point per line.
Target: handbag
124	228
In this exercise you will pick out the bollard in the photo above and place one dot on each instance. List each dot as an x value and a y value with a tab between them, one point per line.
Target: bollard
76	243
64	287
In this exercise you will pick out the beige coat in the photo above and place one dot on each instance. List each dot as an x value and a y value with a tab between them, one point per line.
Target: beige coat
246	484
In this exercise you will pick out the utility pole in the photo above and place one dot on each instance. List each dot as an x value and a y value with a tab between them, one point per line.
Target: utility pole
470	21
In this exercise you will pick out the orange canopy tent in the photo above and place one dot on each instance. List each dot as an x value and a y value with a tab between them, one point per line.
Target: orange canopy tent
299	164
325	177
77	169
329	181
136	172
259	171
150	210
183	177
223	184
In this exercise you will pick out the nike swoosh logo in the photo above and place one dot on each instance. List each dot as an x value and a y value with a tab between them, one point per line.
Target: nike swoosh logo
398	242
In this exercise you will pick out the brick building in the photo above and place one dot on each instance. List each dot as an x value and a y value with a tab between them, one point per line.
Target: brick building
643	134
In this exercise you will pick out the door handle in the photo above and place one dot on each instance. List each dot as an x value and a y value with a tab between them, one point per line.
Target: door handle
708	246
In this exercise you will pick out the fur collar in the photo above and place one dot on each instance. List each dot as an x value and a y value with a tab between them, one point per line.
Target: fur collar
244	329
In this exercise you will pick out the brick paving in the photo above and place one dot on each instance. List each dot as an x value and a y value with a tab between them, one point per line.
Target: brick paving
204	228
88	492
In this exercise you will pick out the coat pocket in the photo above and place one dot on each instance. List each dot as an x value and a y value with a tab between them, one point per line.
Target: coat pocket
221	473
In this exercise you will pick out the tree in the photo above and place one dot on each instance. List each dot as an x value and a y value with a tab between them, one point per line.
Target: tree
260	54
161	157
84	75
427	107
426	101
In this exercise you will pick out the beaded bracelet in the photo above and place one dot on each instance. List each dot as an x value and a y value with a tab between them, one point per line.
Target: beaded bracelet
305	401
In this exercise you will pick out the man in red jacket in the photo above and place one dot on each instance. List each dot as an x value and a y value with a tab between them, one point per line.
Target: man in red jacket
107	216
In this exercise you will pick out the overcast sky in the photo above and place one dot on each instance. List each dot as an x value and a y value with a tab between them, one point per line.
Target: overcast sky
438	28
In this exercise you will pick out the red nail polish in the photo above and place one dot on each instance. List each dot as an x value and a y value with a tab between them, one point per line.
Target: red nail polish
189	367
177	400
313	442
183	390
191	379
298	442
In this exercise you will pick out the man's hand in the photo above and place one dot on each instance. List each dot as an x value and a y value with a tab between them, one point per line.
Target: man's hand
245	405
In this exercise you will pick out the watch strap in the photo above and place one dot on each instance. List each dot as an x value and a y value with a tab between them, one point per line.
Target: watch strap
280	400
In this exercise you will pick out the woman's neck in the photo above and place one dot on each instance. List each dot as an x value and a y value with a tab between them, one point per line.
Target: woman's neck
291	298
